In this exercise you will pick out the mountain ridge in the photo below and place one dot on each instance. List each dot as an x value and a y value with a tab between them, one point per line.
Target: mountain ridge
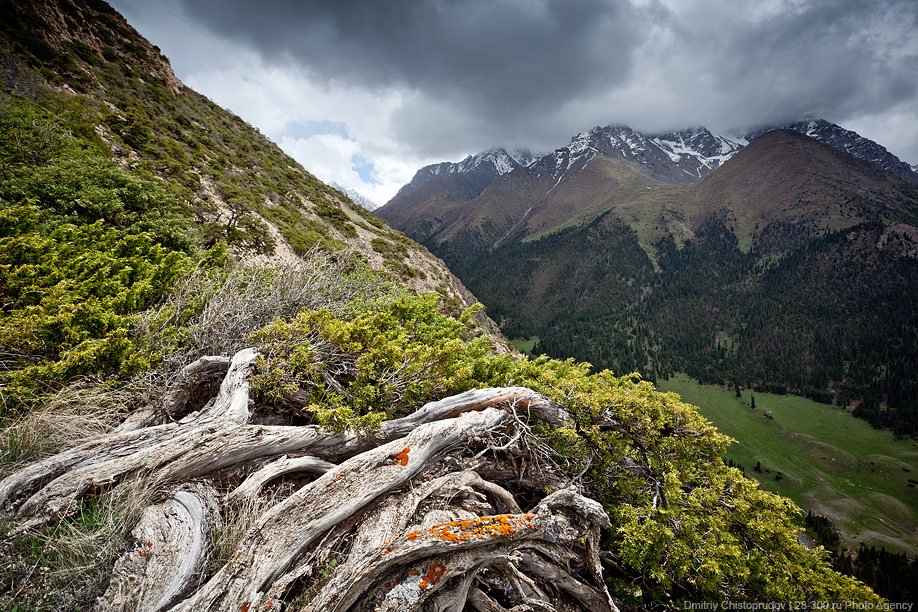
783	195
681	157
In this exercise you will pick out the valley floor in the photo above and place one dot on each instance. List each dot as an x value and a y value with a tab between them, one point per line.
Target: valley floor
820	456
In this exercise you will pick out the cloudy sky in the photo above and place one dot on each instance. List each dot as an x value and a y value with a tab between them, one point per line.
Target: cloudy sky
364	92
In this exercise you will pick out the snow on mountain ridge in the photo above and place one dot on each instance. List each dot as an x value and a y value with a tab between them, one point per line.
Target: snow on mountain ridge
356	196
708	150
695	152
849	141
500	159
684	156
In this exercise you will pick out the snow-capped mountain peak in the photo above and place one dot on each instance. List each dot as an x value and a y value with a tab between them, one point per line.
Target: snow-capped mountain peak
684	156
482	168
705	149
356	197
498	160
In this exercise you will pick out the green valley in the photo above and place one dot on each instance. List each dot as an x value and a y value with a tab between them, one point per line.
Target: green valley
820	456
525	345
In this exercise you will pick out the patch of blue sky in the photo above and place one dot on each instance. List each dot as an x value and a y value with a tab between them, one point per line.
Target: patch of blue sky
365	169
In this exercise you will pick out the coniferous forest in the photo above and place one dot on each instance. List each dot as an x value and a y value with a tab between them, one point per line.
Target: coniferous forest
792	314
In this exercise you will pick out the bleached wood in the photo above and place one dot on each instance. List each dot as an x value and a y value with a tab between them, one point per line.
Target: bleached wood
410	476
251	486
286	531
168	553
564	516
481	602
218	438
190	378
589	597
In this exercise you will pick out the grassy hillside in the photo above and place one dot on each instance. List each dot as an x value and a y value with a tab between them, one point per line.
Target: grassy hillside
83	63
116	180
829	462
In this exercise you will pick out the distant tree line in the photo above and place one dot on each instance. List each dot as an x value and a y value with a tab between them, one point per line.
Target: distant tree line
828	316
892	575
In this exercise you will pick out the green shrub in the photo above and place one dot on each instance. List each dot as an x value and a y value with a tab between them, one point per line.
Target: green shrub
684	524
70	291
84	244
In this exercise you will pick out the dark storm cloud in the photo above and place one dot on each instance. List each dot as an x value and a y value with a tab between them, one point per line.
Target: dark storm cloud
501	55
477	73
491	67
838	58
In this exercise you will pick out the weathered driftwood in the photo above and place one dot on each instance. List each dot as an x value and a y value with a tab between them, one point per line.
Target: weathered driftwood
168	553
394	519
252	485
215	439
455	548
286	531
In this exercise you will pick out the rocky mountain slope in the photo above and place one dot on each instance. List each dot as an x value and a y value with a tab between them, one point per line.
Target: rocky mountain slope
431	201
850	142
586	249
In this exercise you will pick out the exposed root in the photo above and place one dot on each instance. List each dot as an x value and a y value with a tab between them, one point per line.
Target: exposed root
252	485
169	553
393	519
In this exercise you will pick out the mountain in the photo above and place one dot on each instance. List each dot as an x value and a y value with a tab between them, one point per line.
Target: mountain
850	142
602	251
424	204
481	169
357	197
439	187
436	195
222	390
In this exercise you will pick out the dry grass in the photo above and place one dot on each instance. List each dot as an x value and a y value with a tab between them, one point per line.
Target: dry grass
238	518
65	566
219	310
73	415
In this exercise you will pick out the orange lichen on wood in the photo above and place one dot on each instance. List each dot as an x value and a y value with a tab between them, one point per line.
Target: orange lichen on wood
414	572
149	543
245	607
435	571
483	527
401	458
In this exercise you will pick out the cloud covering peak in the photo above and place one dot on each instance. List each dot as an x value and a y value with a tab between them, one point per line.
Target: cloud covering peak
405	82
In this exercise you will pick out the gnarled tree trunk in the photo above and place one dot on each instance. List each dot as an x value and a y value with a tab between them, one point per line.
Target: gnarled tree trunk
391	520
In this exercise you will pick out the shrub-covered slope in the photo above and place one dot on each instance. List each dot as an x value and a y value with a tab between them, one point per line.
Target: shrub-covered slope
115	179
454	490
